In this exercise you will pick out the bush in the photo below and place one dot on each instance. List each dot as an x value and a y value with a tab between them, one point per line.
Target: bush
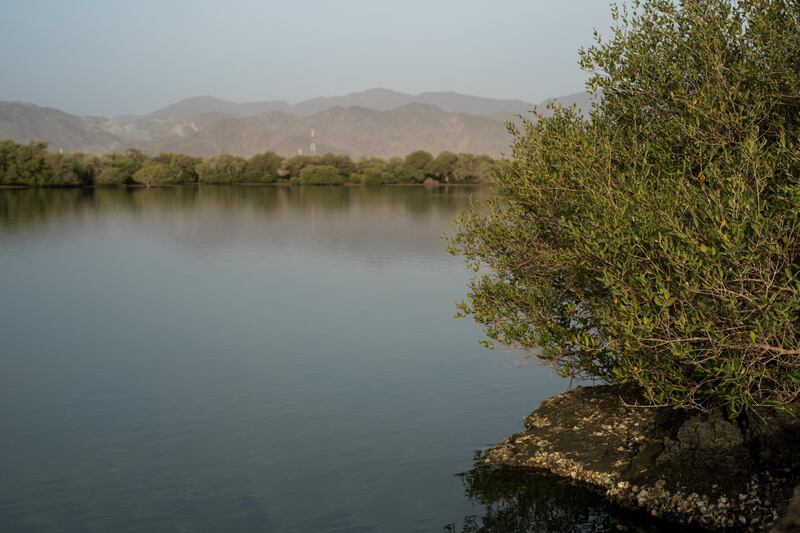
155	174
374	171
442	167
343	163
263	168
471	168
294	165
129	161
319	175
64	170
182	168
658	243
110	175
118	169
222	169
24	164
87	167
415	166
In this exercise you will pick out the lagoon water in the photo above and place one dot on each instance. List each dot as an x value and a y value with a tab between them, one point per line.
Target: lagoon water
252	359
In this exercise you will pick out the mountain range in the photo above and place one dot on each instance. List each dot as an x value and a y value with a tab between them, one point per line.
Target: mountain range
376	122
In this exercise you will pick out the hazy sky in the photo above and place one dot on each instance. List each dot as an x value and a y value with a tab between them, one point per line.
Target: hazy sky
110	57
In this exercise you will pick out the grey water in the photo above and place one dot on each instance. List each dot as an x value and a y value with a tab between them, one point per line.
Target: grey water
254	359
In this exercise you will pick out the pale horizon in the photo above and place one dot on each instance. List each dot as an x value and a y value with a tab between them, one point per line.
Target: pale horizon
93	58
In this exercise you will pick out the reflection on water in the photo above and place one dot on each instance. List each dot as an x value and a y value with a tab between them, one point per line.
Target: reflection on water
29	206
516	500
381	222
246	359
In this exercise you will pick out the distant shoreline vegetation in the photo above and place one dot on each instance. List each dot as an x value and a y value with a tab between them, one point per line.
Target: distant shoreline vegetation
33	165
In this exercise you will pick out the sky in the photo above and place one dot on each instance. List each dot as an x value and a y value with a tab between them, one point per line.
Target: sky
114	57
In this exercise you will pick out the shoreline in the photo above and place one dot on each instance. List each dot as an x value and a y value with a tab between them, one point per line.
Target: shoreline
693	469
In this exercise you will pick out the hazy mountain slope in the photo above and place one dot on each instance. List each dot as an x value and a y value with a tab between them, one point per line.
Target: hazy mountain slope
377	99
190	108
387	124
243	136
23	122
355	131
384	100
474	105
359	131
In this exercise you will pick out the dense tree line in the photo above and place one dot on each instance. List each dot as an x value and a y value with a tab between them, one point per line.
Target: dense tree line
33	165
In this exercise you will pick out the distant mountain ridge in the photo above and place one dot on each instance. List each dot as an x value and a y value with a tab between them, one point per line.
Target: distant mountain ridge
204	105
378	99
376	122
355	131
20	121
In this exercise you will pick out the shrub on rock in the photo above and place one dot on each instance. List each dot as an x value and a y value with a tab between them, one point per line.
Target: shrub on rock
658	241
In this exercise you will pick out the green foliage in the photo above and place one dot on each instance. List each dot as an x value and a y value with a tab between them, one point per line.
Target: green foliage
342	163
293	165
442	167
415	166
111	175
263	168
658	243
129	161
64	170
222	169
459	168
182	168
375	171
87	167
155	173
33	165
24	164
319	175
470	168
118	169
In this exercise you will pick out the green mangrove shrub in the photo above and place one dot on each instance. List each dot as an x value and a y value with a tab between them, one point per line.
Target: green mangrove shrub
657	242
223	168
319	175
182	168
263	168
154	174
32	165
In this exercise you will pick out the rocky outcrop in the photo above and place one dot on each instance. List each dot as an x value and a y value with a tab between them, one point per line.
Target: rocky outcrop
692	468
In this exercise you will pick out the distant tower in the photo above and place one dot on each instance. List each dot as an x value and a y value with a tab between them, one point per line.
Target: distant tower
299	151
312	145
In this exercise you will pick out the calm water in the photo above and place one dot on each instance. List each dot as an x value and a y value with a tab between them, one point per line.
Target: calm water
254	359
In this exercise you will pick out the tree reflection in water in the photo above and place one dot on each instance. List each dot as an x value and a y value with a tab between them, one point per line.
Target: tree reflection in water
516	500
